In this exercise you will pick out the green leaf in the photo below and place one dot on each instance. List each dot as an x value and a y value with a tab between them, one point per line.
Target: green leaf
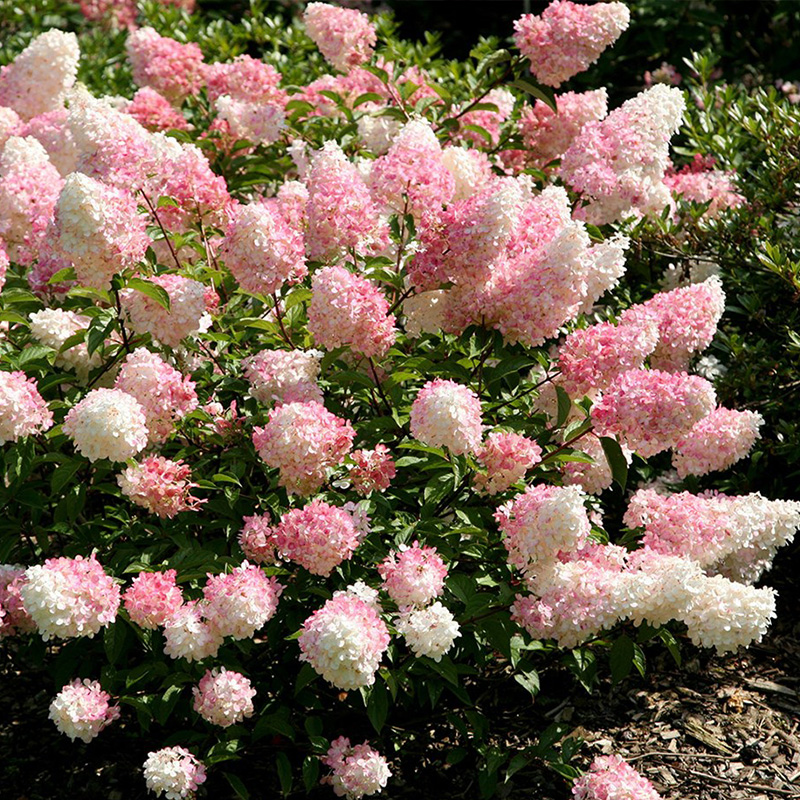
310	772
545	95
284	773
528	681
66	274
152	290
238	787
378	706
114	640
616	460
621	658
564	406
63	474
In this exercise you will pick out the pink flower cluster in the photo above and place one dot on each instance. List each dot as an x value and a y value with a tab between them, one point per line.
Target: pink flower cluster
341	213
593	358
69	597
344	36
154	112
717	442
173	69
152	598
344	641
81	710
687	320
618	164
701	183
358	771
549	133
446	414
541	522
262	250
347	309
414	576
23	411
160	485
568	37
223	697
318	537
610	777
186	315
14	618
303	441
650	410
506	457
373	470
283	376
165	395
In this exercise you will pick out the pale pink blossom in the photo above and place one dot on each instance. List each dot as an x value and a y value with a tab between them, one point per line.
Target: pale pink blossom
23	411
223	697
358	770
160	485
414	576
344	36
81	710
446	414
506	457
284	376
373	470
173	772
152	598
610	777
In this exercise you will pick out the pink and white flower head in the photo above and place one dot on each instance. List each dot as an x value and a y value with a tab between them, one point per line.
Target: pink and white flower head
223	697
413	169
107	423
10	124
373	470
700	183
187	310
568	37
14	619
618	164
245	78
29	189
259	123
549	133
650	410
39	77
470	168
111	146
23	411
165	395
303	441
447	414
119	14
173	69
357	771
284	376
318	537
593	478
154	112
506	458
188	635
69	597
262	250
541	522
344	36
611	778
5	262
687	320
340	211
52	327
240	602
152	598
52	132
99	229
717	442
414	576
81	710
429	631
258	539
347	309
173	772
162	486
344	641
594	357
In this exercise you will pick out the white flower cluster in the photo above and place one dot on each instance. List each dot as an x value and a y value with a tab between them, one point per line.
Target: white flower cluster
52	327
187	635
284	376
173	772
39	77
107	423
424	312
81	710
429	631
